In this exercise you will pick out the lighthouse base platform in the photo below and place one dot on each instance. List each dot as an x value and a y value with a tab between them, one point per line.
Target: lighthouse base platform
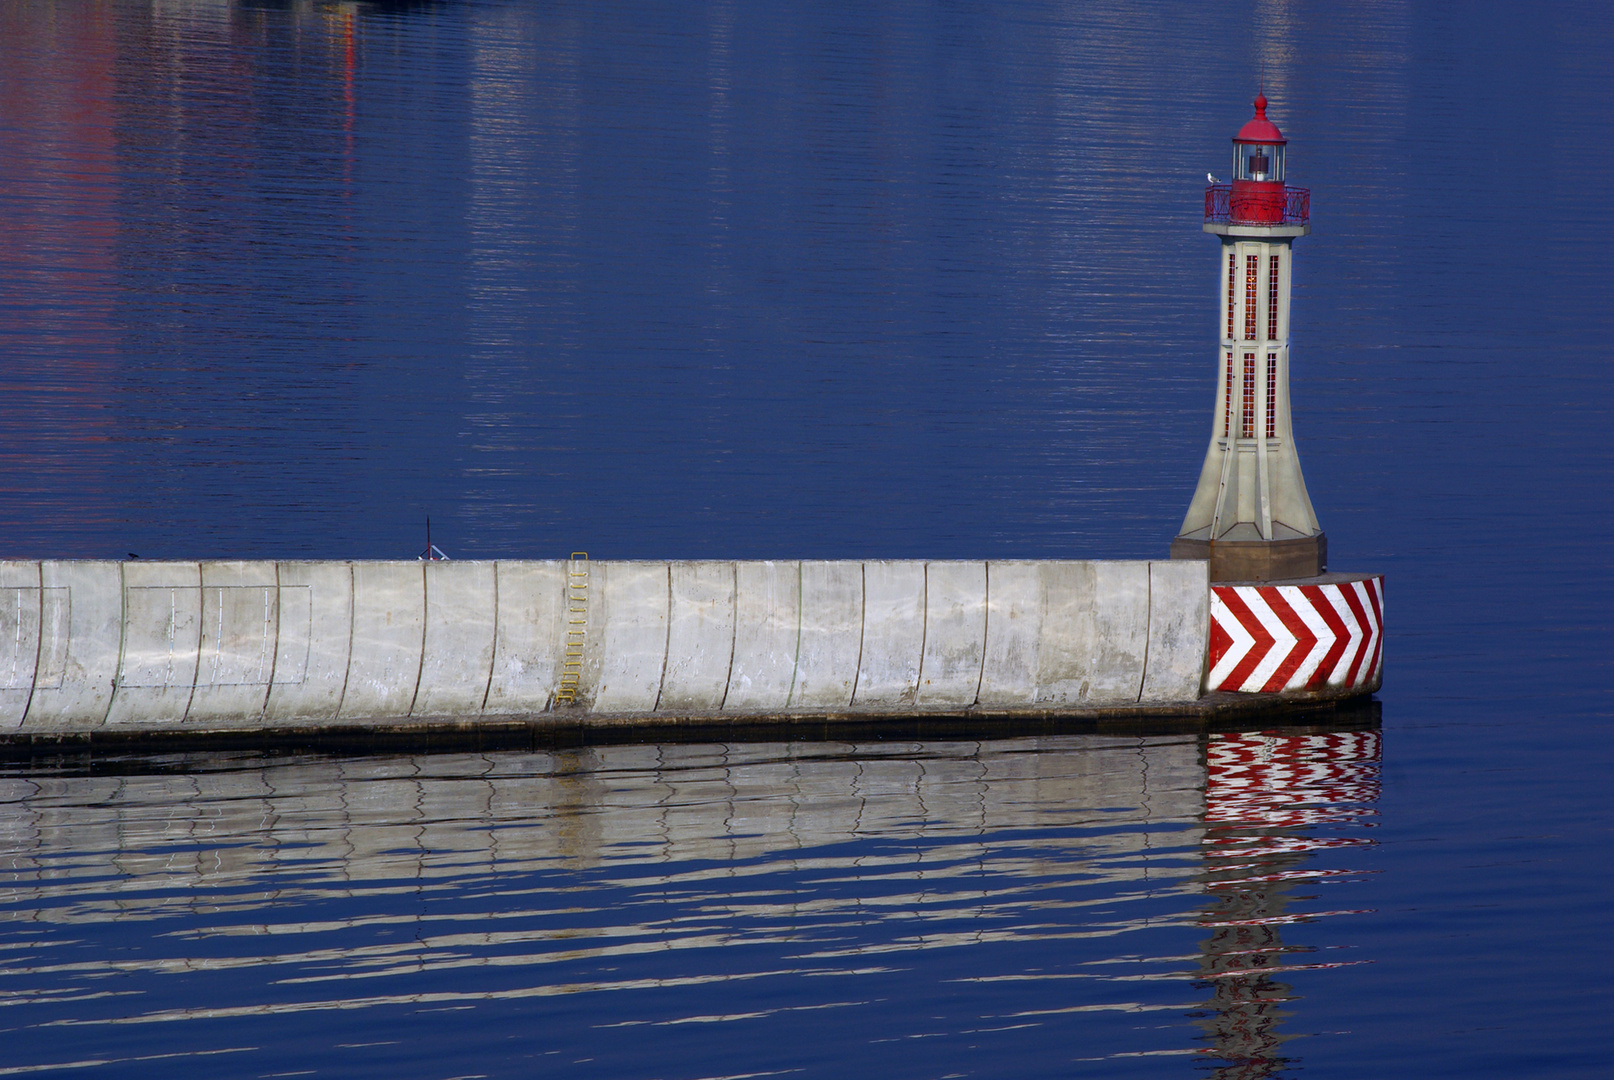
1257	560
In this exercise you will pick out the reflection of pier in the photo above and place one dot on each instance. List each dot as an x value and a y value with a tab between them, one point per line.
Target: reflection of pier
1265	796
339	884
370	819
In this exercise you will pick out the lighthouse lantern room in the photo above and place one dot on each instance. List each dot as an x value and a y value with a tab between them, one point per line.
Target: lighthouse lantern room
1251	516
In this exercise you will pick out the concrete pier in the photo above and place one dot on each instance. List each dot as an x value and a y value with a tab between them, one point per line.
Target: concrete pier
110	649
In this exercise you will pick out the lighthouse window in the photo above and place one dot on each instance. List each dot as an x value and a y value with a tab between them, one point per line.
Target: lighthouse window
1232	270
1272	301
1252	274
1227	400
1247	421
1272	395
1260	162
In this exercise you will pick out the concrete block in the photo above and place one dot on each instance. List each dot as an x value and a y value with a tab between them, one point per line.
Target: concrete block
162	625
1121	621
19	639
831	635
1013	633
240	633
389	632
893	634
767	630
623	665
314	642
1179	630
955	634
1094	634
700	637
80	639
529	638
460	613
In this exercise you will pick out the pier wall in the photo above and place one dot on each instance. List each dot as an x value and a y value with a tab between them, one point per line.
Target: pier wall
135	646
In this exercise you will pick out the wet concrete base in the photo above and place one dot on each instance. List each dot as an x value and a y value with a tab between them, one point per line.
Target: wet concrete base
1213	712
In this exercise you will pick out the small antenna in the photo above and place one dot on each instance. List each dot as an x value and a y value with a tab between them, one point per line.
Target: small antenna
433	553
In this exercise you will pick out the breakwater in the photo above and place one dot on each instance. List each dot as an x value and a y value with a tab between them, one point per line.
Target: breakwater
139	646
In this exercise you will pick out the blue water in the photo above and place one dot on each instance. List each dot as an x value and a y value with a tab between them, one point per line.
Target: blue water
743	280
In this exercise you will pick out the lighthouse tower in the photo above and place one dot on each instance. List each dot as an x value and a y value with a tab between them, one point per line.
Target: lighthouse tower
1251	516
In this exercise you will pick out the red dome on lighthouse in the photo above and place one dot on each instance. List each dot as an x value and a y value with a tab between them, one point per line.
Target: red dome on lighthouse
1259	129
1258	193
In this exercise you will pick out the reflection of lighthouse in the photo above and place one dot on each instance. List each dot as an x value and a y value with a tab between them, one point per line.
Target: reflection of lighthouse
1267	797
1250	515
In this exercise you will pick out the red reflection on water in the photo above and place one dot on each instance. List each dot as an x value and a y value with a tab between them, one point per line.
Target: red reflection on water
58	164
133	178
58	235
1268	798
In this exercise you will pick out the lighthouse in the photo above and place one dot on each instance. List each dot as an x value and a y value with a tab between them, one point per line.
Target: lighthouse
1251	516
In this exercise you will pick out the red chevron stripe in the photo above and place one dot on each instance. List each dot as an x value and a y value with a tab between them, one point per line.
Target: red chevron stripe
1220	642
1355	604
1304	639
1375	597
1263	640
1320	603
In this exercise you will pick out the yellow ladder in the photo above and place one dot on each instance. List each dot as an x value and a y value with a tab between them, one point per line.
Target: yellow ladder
571	670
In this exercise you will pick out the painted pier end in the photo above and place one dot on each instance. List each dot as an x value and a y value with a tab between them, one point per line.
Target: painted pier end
103	650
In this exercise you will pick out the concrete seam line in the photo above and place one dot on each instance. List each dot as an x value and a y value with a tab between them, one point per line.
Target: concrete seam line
1148	627
734	629
862	623
123	615
347	668
274	654
493	653
425	621
39	643
795	671
201	628
986	615
1204	654
924	631
666	645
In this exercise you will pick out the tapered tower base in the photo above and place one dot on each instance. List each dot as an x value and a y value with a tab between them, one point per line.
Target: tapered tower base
1257	560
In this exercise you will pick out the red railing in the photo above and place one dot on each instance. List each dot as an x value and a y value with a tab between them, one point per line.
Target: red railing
1258	210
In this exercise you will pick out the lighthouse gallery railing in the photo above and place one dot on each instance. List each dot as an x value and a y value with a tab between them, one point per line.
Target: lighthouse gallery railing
1219	207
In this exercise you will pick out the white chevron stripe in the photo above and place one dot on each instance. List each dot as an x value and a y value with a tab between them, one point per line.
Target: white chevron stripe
1377	585
1372	629
1243	640
1352	627
1283	642
1314	622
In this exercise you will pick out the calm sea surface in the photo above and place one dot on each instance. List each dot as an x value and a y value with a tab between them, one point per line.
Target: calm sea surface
728	280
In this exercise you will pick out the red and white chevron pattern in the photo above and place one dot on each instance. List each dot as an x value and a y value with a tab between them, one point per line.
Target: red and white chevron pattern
1269	638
